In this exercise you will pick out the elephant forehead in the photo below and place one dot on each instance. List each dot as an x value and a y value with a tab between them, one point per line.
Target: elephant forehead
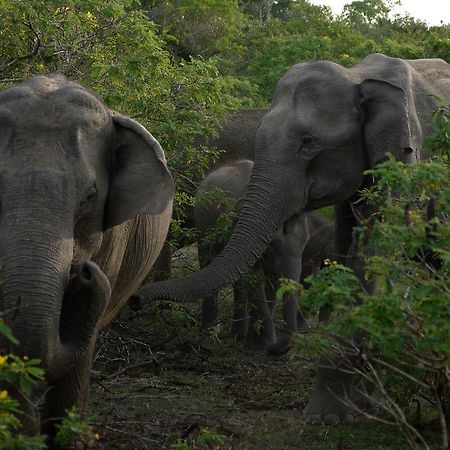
41	180
317	76
323	93
33	109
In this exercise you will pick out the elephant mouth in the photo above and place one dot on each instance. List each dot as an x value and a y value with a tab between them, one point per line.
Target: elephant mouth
57	329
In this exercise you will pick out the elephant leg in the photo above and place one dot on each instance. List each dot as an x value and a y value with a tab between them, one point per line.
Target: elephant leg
240	318
290	325
162	266
271	286
261	330
210	304
210	311
333	384
71	389
333	388
287	252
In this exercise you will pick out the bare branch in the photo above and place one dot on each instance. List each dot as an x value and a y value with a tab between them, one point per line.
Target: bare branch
11	80
36	46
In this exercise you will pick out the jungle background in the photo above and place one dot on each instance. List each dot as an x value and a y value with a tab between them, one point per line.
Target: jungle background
179	67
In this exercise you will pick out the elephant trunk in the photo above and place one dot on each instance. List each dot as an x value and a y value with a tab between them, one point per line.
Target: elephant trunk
262	214
53	318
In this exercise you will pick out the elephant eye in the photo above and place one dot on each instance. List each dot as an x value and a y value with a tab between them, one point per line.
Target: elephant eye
307	140
92	194
309	147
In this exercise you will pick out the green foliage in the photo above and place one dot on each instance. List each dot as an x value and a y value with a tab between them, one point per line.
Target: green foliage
253	277
206	439
74	430
180	444
280	52
220	232
211	438
199	27
402	330
180	233
304	32
437	142
23	373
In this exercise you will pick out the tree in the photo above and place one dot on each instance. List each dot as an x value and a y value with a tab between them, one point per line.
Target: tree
198	27
369	17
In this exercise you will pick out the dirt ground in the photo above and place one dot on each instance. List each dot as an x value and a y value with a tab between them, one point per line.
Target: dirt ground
159	383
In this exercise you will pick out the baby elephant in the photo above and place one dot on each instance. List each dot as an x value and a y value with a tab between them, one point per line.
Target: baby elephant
296	251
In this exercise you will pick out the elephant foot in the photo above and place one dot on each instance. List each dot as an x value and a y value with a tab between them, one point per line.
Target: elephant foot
332	405
256	343
261	340
136	302
239	330
282	346
210	312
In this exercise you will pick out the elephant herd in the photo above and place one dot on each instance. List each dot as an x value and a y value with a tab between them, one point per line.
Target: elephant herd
86	202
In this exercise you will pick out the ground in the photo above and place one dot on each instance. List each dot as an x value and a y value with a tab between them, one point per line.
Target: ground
159	383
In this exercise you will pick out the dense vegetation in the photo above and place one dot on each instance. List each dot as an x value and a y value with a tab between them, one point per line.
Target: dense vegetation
179	66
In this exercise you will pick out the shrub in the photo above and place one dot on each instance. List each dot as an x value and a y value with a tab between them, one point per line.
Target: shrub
25	374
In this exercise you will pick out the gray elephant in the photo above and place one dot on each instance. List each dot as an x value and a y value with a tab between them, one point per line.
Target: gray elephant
235	142
289	255
86	201
326	125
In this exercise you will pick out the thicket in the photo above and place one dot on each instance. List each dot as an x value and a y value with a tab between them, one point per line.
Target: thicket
178	67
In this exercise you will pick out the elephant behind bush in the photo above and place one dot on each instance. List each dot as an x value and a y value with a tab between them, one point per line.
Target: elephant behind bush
236	141
297	249
86	200
327	125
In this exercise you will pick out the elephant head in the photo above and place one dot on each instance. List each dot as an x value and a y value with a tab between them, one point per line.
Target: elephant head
325	127
70	170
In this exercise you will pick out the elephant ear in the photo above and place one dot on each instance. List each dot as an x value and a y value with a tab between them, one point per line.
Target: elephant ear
139	181
390	123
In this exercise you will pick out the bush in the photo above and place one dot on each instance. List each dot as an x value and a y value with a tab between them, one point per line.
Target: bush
25	374
73	430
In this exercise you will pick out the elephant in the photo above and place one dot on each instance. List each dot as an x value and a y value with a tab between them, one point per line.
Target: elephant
234	142
296	251
86	202
325	127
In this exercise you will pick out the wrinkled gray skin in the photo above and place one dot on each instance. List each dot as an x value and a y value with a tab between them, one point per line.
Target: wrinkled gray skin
86	201
282	258
327	124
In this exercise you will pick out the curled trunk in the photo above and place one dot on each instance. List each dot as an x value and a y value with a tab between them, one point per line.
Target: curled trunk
36	253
